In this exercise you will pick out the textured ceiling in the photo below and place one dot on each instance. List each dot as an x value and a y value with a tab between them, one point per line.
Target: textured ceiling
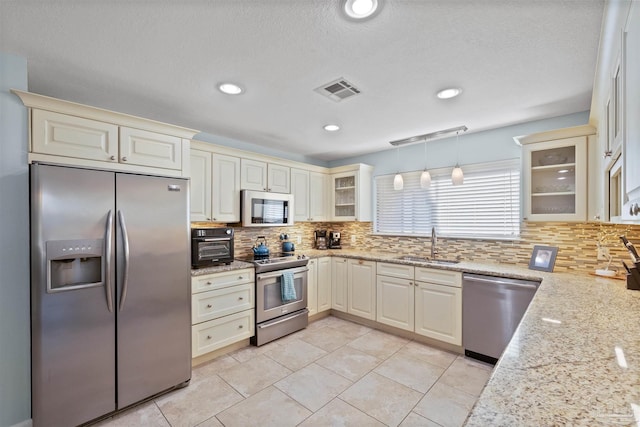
517	60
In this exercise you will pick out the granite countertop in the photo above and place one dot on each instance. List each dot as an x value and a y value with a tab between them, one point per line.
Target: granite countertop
235	265
563	365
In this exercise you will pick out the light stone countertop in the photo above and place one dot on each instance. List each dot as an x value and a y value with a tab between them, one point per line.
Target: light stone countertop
235	265
560	367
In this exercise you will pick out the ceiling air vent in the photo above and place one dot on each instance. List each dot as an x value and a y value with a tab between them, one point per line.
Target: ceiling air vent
338	90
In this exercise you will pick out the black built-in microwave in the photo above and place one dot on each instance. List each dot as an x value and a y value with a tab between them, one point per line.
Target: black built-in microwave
211	246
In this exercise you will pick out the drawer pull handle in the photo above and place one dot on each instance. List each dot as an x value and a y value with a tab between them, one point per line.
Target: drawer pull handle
240	298
124	159
208	305
240	277
208	337
209	283
240	326
112	157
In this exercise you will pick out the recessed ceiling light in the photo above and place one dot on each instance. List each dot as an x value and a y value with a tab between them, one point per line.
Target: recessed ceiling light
331	128
230	88
360	9
449	93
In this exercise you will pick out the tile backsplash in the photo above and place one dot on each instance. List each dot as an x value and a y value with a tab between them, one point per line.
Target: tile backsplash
577	242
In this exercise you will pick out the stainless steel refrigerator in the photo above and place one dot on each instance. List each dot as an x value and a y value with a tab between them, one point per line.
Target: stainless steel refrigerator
110	291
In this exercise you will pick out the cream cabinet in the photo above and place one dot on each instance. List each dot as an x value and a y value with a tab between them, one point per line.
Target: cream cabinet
395	295
555	180
144	148
351	194
221	309
263	176
324	283
312	287
339	274
319	285
310	191
200	195
67	133
361	285
71	137
215	187
438	304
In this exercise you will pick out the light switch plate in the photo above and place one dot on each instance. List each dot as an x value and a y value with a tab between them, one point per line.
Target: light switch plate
299	239
353	239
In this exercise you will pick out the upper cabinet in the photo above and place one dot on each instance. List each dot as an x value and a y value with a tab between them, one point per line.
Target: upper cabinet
631	113
310	194
68	133
351	193
555	175
215	187
263	176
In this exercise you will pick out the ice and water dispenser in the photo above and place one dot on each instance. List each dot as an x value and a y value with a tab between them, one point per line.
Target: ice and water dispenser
74	264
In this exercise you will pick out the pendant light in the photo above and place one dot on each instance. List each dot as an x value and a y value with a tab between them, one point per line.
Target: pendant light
425	178
398	182
457	177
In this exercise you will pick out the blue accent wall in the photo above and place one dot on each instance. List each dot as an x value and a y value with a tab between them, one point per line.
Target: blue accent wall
479	147
15	347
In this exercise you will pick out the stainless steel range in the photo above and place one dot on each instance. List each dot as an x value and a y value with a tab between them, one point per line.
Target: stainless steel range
281	297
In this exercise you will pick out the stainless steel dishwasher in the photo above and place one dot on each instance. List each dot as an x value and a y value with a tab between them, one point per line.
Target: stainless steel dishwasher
492	308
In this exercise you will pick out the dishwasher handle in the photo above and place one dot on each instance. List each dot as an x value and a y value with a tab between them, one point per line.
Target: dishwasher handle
499	281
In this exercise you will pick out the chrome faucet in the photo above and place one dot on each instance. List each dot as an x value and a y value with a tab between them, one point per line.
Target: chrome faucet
434	241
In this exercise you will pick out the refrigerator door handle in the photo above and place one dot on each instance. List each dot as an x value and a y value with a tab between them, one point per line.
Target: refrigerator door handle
125	246
107	262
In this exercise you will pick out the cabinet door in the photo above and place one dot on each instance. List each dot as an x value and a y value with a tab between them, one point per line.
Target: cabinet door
339	284
318	196
555	180
395	302
361	298
312	287
225	188
253	175
279	179
344	196
438	312
300	191
324	283
200	191
631	124
69	136
144	148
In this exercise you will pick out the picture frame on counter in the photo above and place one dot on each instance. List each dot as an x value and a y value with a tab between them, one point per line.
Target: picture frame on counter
543	258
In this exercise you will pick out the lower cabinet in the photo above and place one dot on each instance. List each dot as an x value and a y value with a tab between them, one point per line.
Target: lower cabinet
319	285
221	310
395	295
422	300
353	287
438	305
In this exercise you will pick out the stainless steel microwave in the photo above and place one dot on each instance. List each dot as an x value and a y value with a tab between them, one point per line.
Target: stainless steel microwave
262	209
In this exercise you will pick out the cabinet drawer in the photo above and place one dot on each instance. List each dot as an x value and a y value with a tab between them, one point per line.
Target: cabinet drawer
218	333
221	302
442	277
210	282
396	270
70	136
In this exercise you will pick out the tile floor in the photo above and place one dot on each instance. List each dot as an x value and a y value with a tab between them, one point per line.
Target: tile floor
334	373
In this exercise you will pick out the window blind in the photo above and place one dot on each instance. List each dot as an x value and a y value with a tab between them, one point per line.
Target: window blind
487	205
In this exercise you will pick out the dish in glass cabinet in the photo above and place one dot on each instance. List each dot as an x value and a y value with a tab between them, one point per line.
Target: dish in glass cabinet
552	159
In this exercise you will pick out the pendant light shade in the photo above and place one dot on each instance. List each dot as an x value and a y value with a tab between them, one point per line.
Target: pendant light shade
398	182
457	177
425	179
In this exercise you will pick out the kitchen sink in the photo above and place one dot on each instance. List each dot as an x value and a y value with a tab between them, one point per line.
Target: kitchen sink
427	260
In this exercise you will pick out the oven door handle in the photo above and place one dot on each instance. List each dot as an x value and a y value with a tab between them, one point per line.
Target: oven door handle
212	239
278	273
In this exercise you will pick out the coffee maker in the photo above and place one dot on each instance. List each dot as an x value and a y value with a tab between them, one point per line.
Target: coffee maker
320	237
334	240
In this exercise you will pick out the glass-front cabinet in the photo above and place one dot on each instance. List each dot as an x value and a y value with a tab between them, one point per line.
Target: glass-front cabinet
555	180
351	193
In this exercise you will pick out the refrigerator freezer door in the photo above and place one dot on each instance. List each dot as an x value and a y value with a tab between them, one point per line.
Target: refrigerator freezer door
72	330
153	299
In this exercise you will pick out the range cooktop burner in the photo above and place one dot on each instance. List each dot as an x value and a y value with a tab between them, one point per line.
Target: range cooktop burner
278	262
